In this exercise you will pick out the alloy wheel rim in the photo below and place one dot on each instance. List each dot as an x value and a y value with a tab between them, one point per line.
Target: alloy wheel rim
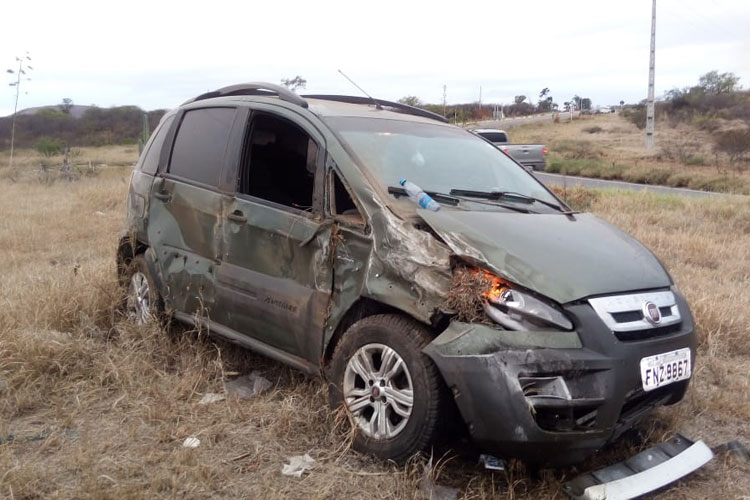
139	298
378	391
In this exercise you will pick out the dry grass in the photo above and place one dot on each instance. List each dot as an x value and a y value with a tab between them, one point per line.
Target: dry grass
111	404
610	147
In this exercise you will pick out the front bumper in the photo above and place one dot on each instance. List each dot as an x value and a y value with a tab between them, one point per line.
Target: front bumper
553	398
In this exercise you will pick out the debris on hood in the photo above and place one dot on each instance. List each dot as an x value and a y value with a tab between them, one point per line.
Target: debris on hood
297	465
467	294
191	442
431	491
247	386
211	397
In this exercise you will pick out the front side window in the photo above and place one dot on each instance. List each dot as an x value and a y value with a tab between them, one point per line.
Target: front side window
198	152
279	163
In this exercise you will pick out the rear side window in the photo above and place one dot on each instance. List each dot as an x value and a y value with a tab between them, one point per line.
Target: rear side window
151	160
201	142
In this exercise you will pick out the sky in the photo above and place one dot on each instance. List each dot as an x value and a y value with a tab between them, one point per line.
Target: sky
157	54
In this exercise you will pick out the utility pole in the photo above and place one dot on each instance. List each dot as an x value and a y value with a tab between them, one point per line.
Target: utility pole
17	84
651	66
480	97
445	95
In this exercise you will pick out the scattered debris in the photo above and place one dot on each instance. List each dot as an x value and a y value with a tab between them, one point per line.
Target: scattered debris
72	434
247	386
99	213
734	448
191	442
643	473
298	465
211	397
492	463
431	491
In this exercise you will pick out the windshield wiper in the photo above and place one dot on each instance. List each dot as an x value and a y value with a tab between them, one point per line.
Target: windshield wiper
508	195
398	191
451	199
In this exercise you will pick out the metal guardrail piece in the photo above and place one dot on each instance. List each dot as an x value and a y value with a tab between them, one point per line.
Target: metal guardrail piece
645	472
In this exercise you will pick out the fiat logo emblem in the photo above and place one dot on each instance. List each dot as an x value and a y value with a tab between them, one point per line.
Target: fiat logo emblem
651	313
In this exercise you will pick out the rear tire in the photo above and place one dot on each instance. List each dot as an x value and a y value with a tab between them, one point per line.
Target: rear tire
143	303
393	392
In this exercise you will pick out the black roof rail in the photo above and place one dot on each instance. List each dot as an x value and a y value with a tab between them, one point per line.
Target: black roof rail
366	100
253	88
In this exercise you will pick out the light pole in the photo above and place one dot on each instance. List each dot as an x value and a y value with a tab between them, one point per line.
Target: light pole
23	67
651	66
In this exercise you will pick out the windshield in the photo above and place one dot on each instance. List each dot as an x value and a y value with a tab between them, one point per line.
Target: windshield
434	157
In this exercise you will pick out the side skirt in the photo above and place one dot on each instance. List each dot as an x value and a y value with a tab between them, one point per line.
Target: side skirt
250	343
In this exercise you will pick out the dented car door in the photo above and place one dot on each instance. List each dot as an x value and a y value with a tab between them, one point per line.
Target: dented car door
274	281
184	219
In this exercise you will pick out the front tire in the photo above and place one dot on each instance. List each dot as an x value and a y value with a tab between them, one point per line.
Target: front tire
392	391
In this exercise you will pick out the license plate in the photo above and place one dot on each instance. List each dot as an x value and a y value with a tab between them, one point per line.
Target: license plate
663	369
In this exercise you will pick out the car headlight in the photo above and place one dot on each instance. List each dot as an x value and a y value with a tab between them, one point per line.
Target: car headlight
517	310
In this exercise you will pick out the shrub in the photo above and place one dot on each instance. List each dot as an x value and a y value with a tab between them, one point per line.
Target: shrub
735	144
593	130
696	160
47	146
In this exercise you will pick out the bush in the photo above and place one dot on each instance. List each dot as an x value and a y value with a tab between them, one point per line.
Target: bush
735	144
47	146
593	130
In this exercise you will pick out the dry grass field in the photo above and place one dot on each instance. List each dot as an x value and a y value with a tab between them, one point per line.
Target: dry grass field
98	408
610	147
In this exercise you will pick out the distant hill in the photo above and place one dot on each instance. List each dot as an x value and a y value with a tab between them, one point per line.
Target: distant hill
76	110
81	126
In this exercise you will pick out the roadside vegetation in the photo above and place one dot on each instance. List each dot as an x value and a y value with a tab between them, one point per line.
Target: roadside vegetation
609	146
93	407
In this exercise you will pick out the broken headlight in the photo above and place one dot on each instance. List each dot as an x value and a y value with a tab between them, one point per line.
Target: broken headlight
516	310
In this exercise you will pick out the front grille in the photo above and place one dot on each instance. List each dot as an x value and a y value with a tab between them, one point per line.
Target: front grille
647	333
625	315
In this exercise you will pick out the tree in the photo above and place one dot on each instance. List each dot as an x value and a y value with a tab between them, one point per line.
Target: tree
294	83
585	103
66	105
411	100
543	93
519	99
622	103
577	101
734	143
715	83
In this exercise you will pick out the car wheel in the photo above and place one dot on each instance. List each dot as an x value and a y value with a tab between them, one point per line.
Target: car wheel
392	391
142	303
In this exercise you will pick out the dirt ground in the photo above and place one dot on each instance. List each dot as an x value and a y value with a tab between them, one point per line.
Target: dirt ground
98	408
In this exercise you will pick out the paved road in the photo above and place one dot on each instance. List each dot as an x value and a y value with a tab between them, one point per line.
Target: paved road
560	180
521	120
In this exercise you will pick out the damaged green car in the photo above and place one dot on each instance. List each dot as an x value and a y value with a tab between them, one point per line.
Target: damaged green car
280	222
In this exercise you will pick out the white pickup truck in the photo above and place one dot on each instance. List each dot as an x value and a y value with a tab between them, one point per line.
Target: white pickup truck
532	156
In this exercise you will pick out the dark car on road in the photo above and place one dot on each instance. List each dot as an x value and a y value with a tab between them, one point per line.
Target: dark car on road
278	221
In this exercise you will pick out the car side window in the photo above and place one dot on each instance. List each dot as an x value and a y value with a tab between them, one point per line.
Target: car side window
200	145
151	158
279	162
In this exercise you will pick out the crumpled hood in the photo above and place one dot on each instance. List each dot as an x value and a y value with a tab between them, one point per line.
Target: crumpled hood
559	257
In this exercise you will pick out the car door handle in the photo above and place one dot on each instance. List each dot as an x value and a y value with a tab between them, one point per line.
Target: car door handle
237	216
162	195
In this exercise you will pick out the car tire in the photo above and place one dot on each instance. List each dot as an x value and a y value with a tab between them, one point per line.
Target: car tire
143	303
393	393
